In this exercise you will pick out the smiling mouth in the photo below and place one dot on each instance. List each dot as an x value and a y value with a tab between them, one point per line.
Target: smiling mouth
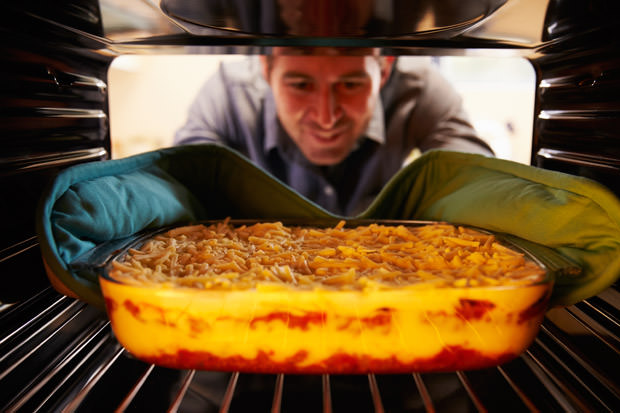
327	135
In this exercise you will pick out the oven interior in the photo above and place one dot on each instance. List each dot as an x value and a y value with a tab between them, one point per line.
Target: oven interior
59	354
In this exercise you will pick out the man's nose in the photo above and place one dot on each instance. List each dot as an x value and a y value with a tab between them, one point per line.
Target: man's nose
328	108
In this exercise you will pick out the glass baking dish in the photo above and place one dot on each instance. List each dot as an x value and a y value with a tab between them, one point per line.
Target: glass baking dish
280	329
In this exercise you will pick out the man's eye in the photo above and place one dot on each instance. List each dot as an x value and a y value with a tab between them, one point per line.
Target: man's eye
351	85
301	85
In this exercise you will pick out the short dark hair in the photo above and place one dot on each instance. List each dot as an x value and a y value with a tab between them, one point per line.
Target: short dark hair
321	51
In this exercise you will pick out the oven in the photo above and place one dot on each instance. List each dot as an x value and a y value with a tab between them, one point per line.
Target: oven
59	354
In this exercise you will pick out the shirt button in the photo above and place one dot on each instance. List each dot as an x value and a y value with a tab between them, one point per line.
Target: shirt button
328	190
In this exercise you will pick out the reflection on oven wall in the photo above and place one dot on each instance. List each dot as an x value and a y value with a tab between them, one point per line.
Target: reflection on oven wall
149	97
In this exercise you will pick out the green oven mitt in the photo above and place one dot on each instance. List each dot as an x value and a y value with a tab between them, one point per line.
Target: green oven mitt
577	218
560	217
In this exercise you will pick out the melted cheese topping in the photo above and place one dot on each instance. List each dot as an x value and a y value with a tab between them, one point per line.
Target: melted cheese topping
271	255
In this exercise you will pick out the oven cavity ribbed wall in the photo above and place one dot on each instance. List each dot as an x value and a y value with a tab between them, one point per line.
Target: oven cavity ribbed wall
577	110
53	113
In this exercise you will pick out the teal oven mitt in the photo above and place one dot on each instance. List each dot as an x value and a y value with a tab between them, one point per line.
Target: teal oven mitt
558	216
90	204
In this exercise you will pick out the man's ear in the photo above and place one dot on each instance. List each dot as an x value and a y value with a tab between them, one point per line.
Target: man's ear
386	68
265	62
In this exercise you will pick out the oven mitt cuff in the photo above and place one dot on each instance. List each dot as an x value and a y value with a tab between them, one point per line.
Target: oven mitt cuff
576	217
90	204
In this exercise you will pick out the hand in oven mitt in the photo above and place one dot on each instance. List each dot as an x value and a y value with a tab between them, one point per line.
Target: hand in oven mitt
90	204
561	215
577	218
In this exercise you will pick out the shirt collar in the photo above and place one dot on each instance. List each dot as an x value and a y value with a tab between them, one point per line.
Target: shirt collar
376	127
374	131
271	123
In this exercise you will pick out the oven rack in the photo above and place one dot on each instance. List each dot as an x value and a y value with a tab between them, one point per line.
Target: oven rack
59	354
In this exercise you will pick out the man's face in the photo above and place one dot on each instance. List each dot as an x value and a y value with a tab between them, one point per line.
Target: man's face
324	102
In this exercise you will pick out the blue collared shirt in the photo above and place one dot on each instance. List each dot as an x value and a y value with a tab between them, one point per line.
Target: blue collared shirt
418	110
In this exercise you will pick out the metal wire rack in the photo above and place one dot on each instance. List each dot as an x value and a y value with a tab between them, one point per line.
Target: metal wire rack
59	354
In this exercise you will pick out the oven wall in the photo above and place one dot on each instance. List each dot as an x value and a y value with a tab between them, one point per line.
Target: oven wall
53	114
577	118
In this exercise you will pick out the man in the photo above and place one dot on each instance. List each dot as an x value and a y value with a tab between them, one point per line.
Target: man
334	125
